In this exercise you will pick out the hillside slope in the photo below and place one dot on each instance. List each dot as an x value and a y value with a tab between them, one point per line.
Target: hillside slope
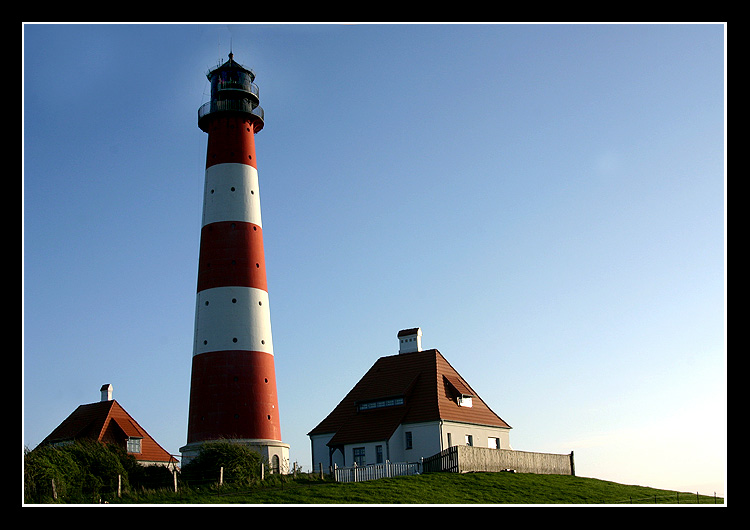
434	488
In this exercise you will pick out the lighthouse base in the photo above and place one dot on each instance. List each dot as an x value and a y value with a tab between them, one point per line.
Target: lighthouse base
272	452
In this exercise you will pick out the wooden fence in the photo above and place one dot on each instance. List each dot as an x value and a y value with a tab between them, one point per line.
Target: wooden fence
466	459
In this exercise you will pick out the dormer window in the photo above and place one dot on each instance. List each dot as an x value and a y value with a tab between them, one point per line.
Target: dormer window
380	403
134	445
464	401
459	391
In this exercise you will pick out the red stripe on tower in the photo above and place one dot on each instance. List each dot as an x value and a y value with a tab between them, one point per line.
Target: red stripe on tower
233	382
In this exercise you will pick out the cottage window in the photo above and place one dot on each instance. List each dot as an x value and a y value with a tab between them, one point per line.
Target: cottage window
359	456
469	439
134	445
493	443
378	454
407	440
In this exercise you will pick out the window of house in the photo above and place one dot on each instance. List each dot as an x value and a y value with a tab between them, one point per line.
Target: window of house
378	454
407	440
380	403
469	439
358	454
450	442
464	401
493	443
134	445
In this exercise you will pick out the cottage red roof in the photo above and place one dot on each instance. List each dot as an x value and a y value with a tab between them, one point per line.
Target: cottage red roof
428	385
108	422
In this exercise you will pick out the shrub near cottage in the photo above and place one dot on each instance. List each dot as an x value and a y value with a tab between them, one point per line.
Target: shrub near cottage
241	465
45	466
83	472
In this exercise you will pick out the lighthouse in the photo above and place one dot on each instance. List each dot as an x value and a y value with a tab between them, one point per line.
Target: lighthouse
233	382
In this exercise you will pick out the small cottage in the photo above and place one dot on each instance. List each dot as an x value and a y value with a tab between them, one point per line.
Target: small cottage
107	422
407	406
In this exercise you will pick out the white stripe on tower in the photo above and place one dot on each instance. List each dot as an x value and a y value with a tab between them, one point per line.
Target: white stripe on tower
231	194
232	318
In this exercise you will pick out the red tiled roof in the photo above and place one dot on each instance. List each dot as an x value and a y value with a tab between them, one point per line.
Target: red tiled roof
429	386
87	421
369	426
107	421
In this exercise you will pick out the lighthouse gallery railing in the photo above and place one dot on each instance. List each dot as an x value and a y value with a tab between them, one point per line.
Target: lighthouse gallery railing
229	105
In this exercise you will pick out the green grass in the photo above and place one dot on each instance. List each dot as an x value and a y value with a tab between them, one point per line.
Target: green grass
432	488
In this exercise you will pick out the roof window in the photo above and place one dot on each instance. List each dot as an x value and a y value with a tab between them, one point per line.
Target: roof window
380	403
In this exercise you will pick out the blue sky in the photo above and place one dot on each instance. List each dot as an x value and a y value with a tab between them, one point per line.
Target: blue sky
547	202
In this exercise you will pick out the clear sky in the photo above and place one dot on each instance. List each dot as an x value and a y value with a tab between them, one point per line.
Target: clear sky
547	202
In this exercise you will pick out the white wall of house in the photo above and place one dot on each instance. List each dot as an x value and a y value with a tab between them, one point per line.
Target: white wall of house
456	433
427	439
320	451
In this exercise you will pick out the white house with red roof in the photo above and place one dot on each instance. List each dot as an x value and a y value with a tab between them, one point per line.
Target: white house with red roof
406	407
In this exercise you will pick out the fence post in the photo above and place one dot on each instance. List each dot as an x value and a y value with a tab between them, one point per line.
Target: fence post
221	475
321	470
54	490
174	478
119	486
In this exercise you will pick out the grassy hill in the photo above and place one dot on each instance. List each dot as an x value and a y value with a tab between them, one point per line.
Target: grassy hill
431	488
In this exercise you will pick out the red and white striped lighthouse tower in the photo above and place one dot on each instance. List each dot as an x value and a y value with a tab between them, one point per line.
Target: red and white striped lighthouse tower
233	381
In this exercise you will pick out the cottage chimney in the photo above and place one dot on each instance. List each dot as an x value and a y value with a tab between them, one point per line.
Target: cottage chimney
106	391
410	340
